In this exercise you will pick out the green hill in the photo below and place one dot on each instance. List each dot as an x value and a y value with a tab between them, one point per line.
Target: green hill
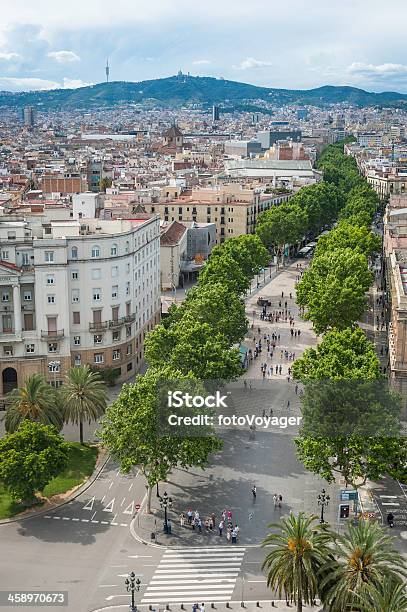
176	91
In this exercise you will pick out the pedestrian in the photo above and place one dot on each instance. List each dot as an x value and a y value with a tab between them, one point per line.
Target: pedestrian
182	519
207	524
271	412
288	401
237	529
220	527
169	526
296	389
202	607
245	384
281	369
229	515
189	515
275	500
291	296
195	607
254	492
280	500
234	536
299	332
228	534
199	525
282	294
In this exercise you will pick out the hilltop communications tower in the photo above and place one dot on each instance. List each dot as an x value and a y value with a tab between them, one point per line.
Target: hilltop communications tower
107	70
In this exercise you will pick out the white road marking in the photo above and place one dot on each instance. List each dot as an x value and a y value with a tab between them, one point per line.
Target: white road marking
56	518
103	498
66	518
47	516
388	496
140	556
129	509
93	516
123	500
104	522
84	520
89	504
111	484
112	522
75	519
94	521
103	586
124	525
390	504
131	486
109	507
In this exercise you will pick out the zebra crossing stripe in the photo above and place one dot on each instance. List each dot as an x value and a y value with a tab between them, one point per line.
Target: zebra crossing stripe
190	574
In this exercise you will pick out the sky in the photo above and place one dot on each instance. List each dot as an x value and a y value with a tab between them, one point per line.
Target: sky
294	44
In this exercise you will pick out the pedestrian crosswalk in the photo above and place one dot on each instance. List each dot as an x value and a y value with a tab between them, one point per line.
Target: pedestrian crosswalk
189	575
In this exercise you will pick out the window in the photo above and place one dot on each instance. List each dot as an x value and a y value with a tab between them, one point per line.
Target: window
28	321
98	358
113	249
128	331
116	354
129	349
129	366
95	252
7	351
27	296
11	235
4	254
5	296
76	318
75	296
127	246
29	348
50	279
96	273
78	360
25	259
74	253
52	347
115	271
77	340
51	299
97	294
97	339
115	292
127	288
49	256
116	335
54	366
74	275
127	268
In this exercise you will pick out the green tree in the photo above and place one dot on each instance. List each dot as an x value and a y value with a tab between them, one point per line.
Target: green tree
365	557
84	395
321	203
133	429
359	207
36	401
333	289
29	458
345	354
248	252
281	225
192	346
388	596
227	318
348	235
224	270
300	550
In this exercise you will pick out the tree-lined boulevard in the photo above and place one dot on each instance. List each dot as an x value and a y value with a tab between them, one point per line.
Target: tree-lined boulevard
349	433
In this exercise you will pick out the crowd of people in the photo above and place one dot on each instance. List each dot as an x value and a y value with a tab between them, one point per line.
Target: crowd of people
209	524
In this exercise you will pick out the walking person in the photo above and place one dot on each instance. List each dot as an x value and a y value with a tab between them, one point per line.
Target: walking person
169	526
234	536
182	519
280	500
254	492
220	527
189	515
275	500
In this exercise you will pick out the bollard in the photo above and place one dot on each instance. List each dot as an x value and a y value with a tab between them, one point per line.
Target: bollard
212	606
227	604
272	604
167	607
242	604
182	607
257	604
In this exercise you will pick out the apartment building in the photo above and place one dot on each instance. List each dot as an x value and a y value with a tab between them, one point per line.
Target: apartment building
395	252
232	209
76	292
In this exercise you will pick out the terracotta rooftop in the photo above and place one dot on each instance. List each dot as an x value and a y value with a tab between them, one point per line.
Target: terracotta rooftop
172	234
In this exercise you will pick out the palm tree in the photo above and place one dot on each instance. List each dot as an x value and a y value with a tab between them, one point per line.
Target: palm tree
85	397
35	401
390	596
364	558
299	551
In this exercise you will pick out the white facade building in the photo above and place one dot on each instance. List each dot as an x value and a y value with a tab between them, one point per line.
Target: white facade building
76	292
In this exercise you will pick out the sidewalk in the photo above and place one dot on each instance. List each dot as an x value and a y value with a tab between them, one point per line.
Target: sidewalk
250	606
268	460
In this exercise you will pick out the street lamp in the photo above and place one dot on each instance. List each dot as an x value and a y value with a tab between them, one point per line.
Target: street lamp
132	585
323	501
165	502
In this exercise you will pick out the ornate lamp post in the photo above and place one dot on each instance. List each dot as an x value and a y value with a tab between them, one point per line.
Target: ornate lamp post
323	501
165	502
132	585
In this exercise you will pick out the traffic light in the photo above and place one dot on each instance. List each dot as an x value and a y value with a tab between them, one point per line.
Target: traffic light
344	511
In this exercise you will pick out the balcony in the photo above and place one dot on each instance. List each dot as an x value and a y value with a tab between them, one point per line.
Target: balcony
56	334
112	324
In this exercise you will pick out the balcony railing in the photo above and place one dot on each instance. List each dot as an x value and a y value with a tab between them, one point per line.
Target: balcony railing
112	324
52	335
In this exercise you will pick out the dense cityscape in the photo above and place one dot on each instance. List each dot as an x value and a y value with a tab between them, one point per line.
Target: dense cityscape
203	346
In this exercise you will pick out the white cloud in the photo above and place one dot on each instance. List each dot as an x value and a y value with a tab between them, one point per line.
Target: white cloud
74	83
26	84
7	57
202	62
250	62
64	57
34	84
379	70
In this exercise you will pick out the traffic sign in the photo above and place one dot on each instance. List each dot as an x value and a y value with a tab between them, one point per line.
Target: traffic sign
137	507
349	495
